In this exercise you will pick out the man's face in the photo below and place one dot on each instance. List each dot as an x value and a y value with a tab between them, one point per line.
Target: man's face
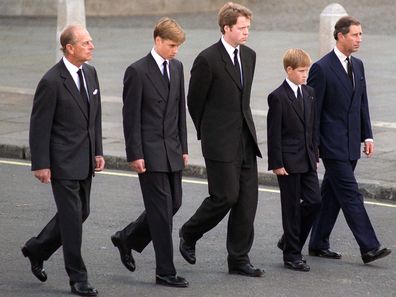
81	50
350	42
238	33
298	75
166	48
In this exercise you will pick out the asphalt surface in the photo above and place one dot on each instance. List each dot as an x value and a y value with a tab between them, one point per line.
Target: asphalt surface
26	206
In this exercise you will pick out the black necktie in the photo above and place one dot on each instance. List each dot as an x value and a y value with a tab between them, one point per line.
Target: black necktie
165	73
83	92
236	65
349	70
300	102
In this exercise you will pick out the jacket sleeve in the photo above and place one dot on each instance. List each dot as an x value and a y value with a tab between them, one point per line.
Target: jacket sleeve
98	123
366	131
131	112
182	113
44	105
200	83
274	133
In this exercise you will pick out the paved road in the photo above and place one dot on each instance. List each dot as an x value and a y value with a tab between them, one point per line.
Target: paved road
26	205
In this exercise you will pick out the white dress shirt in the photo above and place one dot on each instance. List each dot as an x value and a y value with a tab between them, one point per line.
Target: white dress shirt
160	62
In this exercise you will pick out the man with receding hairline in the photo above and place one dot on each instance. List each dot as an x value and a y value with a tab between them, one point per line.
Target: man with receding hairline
66	149
343	124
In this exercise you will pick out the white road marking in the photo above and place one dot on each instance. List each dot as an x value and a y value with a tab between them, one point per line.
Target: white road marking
185	180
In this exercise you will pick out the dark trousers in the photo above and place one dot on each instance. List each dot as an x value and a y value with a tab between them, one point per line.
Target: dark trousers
233	187
162	196
65	228
300	201
340	191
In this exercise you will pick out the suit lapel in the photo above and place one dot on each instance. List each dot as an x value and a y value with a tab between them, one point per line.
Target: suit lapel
340	73
155	76
174	78
229	65
70	85
91	86
293	100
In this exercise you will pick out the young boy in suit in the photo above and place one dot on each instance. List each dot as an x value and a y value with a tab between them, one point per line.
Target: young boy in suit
293	155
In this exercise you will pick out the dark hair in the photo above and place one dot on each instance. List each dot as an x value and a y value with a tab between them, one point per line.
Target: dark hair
169	29
343	25
229	13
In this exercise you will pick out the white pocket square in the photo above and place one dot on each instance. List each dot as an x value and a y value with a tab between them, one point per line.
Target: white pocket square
95	92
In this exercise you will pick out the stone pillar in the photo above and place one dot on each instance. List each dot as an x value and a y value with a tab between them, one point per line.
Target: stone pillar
328	18
69	12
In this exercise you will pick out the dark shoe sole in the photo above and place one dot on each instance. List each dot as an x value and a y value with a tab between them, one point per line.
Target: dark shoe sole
83	294
317	254
238	272
306	269
163	283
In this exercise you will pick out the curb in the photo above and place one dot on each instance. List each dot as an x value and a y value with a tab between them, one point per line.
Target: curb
370	189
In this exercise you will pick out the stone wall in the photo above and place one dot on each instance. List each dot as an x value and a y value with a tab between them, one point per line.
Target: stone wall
110	7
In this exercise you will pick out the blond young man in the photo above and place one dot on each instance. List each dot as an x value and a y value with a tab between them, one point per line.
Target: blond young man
154	118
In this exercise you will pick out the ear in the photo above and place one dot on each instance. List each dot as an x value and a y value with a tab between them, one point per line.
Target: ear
70	48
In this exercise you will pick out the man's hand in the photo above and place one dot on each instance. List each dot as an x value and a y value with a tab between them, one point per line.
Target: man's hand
368	148
99	163
138	166
43	175
280	171
185	159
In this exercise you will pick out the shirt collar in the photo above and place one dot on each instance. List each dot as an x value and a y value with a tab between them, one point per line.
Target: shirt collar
340	55
71	67
293	86
158	59
230	49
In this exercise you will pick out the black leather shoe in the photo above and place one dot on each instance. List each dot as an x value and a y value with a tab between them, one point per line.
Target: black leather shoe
298	265
375	255
246	270
171	281
327	253
125	252
36	265
187	250
83	289
281	246
281	243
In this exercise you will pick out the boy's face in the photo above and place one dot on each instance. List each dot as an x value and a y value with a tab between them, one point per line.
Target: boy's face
298	75
166	48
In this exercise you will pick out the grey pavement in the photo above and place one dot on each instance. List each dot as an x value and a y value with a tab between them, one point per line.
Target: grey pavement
27	50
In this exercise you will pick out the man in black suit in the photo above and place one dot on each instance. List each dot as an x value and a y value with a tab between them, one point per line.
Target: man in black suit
219	104
66	149
154	116
343	124
293	155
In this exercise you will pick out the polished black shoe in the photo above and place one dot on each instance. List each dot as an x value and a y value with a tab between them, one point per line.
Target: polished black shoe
36	265
298	265
83	289
327	253
281	246
375	255
246	270
281	243
187	250
171	281
125	252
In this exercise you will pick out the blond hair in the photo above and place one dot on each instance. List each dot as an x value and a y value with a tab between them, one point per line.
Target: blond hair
296	57
169	29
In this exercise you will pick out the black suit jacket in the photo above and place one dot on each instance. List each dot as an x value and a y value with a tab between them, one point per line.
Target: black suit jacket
219	104
291	133
154	116
64	136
